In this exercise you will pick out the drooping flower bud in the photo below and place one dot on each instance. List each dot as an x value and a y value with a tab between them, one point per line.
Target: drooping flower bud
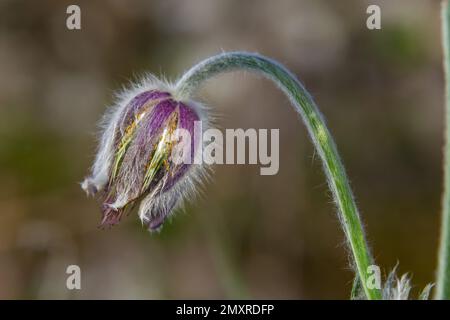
136	160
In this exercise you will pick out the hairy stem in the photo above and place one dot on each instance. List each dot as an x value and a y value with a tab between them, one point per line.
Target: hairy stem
443	277
321	137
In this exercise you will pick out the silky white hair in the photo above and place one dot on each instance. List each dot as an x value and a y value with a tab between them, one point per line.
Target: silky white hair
157	200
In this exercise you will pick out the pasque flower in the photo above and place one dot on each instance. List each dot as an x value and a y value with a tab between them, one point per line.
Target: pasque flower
136	163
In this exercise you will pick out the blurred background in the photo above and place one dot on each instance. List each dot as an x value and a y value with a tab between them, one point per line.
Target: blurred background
247	236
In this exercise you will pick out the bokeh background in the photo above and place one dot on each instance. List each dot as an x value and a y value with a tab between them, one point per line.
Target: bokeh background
248	235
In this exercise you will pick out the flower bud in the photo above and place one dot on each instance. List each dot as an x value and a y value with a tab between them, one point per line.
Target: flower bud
136	160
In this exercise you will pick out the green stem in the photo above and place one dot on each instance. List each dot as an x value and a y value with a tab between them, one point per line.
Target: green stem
443	277
321	137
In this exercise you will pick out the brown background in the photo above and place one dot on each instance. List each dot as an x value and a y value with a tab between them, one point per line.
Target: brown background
248	235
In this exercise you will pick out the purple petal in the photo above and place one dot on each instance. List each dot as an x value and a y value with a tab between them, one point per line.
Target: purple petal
137	104
187	118
132	170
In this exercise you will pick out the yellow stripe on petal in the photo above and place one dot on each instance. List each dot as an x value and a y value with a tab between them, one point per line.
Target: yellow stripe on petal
128	136
162	152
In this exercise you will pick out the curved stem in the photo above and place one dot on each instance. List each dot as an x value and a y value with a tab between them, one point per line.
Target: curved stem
443	276
315	124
